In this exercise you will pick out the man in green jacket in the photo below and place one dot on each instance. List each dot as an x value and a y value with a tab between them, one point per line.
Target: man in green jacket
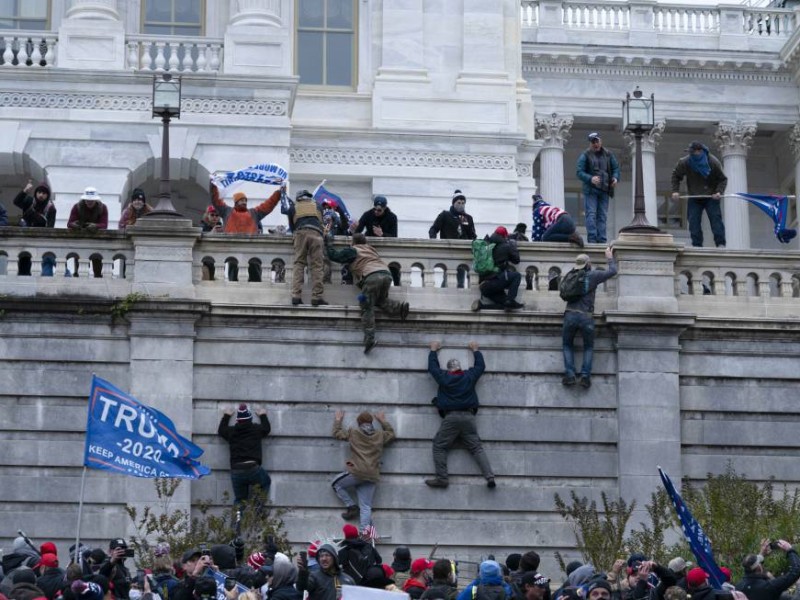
363	463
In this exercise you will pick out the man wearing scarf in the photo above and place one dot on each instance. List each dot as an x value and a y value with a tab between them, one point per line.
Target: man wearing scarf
457	404
705	182
363	463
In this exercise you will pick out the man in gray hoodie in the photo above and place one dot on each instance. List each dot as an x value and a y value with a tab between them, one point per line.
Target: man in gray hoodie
327	582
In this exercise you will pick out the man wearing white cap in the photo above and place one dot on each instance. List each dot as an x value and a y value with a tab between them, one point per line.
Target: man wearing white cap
89	214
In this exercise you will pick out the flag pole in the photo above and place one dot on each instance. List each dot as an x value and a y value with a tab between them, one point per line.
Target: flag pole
78	554
316	189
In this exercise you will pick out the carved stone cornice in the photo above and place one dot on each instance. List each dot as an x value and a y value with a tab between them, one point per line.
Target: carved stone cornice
402	158
734	138
794	141
553	129
650	140
524	169
261	107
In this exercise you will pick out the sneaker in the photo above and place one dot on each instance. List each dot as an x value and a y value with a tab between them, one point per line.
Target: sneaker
476	305
369	345
437	482
296	301
720	245
575	238
513	305
319	302
490	483
568	380
404	308
351	513
586	381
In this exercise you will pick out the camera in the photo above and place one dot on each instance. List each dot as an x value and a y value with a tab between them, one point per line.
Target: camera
230	583
774	546
204	551
128	553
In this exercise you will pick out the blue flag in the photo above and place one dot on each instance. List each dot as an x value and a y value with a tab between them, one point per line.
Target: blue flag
220	579
698	542
777	208
270	174
125	436
321	194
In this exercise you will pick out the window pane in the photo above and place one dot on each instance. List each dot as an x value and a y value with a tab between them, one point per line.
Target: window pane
309	57
8	8
158	10
339	59
187	11
33	8
36	25
340	14
311	13
158	29
186	31
7	24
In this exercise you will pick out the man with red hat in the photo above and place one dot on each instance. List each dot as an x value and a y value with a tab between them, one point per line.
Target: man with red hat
499	289
356	555
416	585
244	440
238	219
51	577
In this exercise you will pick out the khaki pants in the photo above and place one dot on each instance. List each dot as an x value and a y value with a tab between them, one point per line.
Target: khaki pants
308	249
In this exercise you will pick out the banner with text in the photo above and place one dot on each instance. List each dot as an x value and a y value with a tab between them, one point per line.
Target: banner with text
125	436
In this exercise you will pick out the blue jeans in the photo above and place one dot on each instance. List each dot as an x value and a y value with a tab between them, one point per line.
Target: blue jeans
595	204
365	490
694	212
575	322
495	288
242	480
560	230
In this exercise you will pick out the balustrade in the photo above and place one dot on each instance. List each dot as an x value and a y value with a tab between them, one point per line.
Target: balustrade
27	49
158	53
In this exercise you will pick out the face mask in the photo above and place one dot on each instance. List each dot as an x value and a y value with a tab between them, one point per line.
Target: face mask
135	594
459	207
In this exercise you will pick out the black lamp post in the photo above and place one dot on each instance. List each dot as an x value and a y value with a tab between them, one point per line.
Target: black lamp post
167	105
638	117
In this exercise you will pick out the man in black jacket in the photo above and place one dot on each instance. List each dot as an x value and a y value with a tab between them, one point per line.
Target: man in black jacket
756	584
38	210
454	224
379	222
500	288
244	440
114	568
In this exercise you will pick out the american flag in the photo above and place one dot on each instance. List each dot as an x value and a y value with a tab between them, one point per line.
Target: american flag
544	215
370	534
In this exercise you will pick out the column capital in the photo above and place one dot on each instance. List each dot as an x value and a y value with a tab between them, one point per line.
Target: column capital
734	138
553	129
794	141
650	140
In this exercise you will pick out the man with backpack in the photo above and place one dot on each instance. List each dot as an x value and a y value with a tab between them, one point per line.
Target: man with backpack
356	555
499	282
578	288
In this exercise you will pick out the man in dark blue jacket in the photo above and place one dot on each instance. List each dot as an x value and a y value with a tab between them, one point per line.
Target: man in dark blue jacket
457	403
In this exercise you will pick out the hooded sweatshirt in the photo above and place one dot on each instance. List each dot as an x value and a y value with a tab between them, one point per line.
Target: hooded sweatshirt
365	449
490	583
324	585
35	213
284	577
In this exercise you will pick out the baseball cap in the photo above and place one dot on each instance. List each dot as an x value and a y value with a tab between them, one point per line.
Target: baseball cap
696	577
593	136
420	564
751	561
380	201
189	554
678	564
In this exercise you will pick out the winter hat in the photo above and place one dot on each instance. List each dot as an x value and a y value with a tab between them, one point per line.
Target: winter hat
48	561
350	531
26	591
598	583
138	194
420	564
512	561
502	231
489	569
239	196
161	549
87	590
534	578
696	577
402	559
453	364
727	572
575	564
637	557
695	145
593	136
205	587
376	578
580	262
256	560
23	575
529	561
243	414
48	548
458	195
388	571
364	417
751	561
302	194
313	547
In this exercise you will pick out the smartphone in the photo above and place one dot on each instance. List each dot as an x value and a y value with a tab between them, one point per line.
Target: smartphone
128	553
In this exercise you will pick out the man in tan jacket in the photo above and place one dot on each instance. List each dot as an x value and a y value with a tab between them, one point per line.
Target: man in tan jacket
363	463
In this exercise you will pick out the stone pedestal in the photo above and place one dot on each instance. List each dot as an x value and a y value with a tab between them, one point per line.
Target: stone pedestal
257	39
553	130
91	37
734	140
163	256
646	280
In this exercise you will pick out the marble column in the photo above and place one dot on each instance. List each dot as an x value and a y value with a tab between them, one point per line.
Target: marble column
650	142
553	130
403	38
256	12
794	143
94	9
734	139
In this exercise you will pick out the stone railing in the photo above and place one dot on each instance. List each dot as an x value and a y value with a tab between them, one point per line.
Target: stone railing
770	26
27	48
258	270
174	54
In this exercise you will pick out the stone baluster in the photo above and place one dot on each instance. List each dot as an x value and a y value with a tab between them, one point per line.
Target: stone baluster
174	61
185	57
36	54
160	58
146	62
554	130
794	143
133	55
650	142
50	54
201	57
215	59
734	140
22	55
8	53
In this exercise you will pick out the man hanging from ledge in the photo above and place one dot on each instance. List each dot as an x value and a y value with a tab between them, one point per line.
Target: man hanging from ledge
244	439
240	219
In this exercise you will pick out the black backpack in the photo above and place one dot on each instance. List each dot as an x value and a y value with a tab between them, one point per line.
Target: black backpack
574	285
357	560
488	592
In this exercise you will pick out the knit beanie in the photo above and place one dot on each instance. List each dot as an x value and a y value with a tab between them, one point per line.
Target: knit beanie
256	560
350	531
243	414
239	196
137	194
458	195
529	561
501	231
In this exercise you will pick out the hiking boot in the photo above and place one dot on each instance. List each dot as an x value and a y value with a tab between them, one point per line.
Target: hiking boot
476	306
319	302
351	513
575	238
490	483
296	301
586	381
513	305
404	308
568	380
369	345
437	482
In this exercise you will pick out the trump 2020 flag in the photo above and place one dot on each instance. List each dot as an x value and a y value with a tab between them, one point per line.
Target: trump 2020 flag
698	542
322	193
125	436
777	208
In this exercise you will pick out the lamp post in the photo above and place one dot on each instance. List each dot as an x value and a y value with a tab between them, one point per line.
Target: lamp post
638	117
167	105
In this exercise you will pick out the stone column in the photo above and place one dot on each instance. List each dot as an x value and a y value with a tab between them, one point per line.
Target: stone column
794	143
94	9
734	140
91	37
403	38
553	130
650	142
258	38
526	154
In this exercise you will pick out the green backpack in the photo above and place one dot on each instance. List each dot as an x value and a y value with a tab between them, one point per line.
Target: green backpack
482	258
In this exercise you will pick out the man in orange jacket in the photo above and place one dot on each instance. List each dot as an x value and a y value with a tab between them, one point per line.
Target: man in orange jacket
240	219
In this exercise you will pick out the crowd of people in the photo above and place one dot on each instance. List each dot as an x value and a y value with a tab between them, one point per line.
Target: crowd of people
320	571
